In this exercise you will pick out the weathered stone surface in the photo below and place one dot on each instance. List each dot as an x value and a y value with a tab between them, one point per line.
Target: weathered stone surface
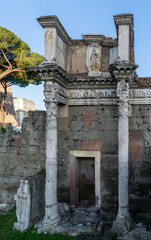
21	155
23	202
92	145
30	201
136	145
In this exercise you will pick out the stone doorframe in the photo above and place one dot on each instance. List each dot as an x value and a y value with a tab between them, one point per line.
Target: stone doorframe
74	154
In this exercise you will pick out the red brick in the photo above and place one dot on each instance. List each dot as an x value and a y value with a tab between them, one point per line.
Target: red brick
92	145
136	145
16	140
88	118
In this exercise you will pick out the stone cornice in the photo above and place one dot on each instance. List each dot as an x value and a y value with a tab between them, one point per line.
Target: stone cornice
83	81
125	19
93	38
100	39
53	22
123	70
51	72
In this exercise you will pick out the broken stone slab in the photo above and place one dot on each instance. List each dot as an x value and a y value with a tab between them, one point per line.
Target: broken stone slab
6	207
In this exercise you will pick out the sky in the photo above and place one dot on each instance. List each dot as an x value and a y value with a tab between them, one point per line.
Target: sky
78	17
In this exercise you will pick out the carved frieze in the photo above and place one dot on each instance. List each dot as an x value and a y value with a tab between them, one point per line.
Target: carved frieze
52	108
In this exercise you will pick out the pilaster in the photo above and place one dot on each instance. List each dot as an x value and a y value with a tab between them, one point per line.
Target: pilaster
125	33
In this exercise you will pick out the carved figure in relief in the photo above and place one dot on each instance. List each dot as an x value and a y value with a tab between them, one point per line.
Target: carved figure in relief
22	206
94	60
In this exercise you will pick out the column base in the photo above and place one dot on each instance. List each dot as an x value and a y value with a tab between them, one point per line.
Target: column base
48	225
121	226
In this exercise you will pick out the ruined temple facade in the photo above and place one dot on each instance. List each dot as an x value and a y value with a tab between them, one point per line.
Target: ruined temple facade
98	123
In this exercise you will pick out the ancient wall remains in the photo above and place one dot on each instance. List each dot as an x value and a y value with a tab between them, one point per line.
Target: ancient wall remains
95	128
80	128
21	155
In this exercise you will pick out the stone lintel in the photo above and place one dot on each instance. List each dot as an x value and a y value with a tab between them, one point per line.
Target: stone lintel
52	21
125	19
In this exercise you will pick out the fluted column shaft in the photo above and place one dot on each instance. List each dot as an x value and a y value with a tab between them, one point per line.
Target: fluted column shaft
52	217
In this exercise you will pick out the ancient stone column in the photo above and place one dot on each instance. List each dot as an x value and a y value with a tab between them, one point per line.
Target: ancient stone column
52	217
124	74
123	221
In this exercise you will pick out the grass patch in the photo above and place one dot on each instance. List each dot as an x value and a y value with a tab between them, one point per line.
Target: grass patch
7	232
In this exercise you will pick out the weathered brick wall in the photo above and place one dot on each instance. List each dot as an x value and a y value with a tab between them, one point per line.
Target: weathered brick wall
21	155
105	59
90	128
76	62
140	159
37	195
81	128
95	128
77	57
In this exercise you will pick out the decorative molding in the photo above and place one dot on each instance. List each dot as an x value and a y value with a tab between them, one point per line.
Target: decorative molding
100	39
54	93
51	72
53	22
125	19
52	110
85	81
93	38
124	70
76	89
123	108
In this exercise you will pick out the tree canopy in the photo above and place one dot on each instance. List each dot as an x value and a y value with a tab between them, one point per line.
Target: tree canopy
15	60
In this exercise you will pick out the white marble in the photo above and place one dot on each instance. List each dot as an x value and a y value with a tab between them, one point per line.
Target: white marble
61	52
123	221
123	42
93	59
113	54
22	206
50	39
51	217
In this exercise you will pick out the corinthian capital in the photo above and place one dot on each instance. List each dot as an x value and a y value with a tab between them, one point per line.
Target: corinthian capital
52	108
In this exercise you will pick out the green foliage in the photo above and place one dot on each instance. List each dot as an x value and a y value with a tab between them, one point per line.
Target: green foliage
41	172
3	130
15	60
7	232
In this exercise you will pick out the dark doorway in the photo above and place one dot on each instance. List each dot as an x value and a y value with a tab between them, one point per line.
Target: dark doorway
86	182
